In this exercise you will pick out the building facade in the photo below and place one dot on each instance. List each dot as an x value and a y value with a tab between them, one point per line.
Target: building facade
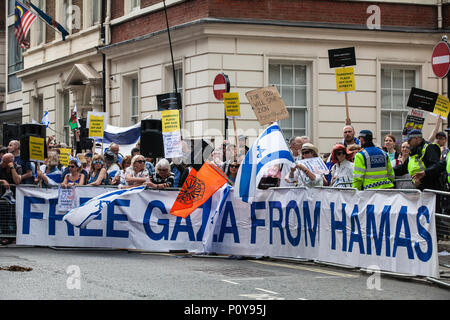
119	61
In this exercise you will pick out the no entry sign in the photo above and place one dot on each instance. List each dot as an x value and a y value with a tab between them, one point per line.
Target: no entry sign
221	85
440	59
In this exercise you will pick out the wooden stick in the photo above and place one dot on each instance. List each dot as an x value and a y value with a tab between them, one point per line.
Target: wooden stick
347	119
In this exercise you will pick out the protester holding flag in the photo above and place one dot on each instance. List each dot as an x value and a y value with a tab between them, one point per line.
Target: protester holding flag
49	173
300	175
75	177
268	149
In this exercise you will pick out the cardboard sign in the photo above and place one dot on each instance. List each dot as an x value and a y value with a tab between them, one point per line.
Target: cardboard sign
267	105
64	158
169	101
170	120
345	79
315	165
343	57
37	146
232	105
96	124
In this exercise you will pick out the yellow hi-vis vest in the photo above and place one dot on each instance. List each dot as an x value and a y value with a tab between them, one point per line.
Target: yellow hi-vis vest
415	163
372	170
448	168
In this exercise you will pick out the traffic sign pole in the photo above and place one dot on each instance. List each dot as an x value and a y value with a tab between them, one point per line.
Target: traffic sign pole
221	85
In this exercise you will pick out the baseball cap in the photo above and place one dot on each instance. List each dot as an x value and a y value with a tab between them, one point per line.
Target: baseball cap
365	134
441	134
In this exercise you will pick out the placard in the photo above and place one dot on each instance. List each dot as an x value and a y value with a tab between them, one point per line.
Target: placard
267	105
64	158
413	122
170	120
343	57
315	165
345	79
442	106
169	101
37	147
422	99
173	147
96	124
66	199
232	105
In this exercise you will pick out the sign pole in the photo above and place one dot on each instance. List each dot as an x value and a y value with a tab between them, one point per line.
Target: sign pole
347	119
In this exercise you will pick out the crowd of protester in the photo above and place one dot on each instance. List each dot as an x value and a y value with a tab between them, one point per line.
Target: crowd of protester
125	171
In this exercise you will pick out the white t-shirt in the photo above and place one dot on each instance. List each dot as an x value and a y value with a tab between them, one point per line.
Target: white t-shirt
342	172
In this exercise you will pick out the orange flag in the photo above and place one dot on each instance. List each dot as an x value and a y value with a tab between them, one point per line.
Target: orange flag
197	189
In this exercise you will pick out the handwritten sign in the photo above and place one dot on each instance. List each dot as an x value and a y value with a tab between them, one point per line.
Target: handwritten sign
267	105
232	105
345	79
315	165
36	150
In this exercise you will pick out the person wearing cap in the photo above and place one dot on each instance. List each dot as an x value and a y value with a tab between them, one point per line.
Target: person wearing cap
300	175
372	167
423	162
441	140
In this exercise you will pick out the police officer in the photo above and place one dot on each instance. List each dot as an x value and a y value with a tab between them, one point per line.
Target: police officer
372	167
423	162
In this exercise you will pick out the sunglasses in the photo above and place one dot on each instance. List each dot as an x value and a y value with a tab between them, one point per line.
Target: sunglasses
306	152
140	161
72	166
340	153
97	162
235	166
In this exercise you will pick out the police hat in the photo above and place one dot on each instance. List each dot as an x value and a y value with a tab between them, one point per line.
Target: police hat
365	134
415	133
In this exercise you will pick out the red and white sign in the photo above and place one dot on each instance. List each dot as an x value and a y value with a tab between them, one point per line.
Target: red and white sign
221	85
440	59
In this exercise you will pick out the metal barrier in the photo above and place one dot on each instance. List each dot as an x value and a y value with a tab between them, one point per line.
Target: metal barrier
7	219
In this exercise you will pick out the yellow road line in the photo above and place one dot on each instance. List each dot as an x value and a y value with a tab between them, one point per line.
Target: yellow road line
333	273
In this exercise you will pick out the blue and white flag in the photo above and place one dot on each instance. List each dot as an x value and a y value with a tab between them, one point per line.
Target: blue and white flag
269	149
82	215
46	119
125	137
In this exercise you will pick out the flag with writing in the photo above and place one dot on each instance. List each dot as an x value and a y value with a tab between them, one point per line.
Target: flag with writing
197	189
23	19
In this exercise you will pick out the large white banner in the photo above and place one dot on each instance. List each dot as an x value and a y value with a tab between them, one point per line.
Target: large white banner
392	230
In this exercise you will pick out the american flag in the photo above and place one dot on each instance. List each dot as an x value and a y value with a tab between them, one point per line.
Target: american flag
23	20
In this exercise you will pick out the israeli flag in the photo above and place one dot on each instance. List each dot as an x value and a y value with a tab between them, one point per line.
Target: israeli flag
125	137
82	215
268	150
46	119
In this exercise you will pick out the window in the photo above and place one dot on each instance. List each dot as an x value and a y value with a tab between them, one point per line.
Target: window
135	4
291	82
95	17
15	61
134	101
66	117
11	6
38	109
37	32
395	87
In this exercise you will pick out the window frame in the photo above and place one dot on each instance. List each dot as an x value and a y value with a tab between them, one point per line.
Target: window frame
18	65
307	86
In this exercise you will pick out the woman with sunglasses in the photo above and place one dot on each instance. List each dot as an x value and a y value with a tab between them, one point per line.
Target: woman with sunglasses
300	175
97	173
342	169
232	171
136	174
74	177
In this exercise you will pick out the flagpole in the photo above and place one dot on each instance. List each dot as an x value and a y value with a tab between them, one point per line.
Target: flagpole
219	171
170	45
